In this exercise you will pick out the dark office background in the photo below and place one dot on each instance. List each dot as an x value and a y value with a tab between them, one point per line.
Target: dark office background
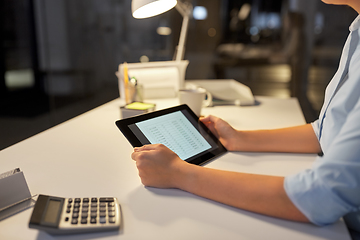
58	58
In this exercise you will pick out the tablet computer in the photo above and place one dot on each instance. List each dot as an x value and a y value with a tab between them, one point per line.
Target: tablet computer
178	128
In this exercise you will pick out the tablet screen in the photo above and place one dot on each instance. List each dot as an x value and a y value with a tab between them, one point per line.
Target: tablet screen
178	129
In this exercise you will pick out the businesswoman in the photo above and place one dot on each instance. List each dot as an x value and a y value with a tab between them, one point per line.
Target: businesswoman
322	194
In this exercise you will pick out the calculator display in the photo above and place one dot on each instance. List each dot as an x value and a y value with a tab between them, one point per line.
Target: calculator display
52	211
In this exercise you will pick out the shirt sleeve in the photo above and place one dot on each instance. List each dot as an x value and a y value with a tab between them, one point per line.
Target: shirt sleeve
316	128
332	187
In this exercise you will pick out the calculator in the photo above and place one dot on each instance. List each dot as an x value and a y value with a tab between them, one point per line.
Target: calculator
57	215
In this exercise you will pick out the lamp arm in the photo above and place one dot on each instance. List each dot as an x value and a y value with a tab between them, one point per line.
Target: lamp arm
185	9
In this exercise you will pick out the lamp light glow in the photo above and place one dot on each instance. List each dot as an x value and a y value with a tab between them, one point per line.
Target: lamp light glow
149	8
200	13
164	31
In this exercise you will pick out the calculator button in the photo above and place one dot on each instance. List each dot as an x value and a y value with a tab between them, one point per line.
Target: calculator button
85	200
111	214
75	215
84	221
76	205
84	215
74	221
108	199
93	209
76	210
66	219
93	215
69	205
102	220
77	200
102	204
68	210
93	220
110	209
85	205
70	200
84	209
102	214
111	204
102	209
111	220
94	199
93	204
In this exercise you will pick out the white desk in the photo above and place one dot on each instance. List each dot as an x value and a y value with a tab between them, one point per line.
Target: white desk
88	156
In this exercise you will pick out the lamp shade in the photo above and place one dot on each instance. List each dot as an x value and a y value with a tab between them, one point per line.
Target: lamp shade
150	8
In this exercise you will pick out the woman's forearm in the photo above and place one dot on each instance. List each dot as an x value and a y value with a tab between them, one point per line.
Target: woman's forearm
299	139
256	193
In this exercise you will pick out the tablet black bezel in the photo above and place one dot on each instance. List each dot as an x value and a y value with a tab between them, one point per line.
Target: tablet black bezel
199	159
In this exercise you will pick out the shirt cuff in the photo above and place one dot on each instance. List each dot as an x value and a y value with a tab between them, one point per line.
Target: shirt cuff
313	199
316	128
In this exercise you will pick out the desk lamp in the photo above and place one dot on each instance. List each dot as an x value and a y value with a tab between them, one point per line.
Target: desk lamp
149	8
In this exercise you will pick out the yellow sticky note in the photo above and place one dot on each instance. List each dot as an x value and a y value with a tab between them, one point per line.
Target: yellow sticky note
139	106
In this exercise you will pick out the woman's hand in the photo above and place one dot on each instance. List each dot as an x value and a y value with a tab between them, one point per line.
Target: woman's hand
227	135
158	166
